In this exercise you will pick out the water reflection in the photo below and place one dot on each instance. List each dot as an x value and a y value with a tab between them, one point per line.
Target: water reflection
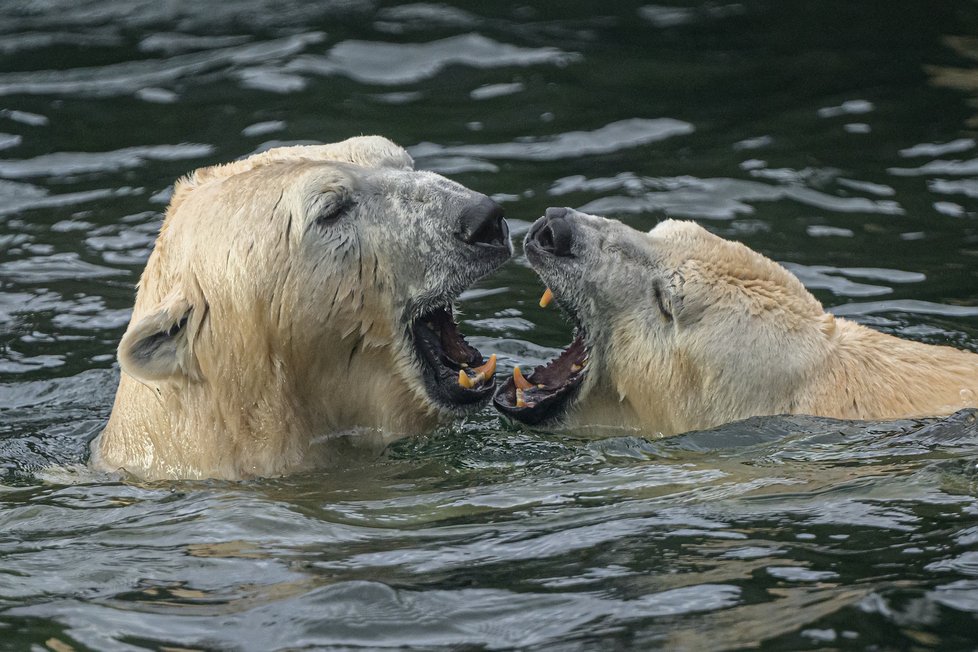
813	134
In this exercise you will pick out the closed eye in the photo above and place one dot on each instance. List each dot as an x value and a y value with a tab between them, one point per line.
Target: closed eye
660	300
332	212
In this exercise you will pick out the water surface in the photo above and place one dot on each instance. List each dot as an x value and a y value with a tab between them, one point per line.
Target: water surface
838	138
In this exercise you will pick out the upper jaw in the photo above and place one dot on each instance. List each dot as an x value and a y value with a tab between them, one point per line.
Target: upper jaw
484	233
456	377
549	391
442	355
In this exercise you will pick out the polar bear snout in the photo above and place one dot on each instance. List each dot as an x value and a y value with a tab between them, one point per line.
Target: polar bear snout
483	224
553	233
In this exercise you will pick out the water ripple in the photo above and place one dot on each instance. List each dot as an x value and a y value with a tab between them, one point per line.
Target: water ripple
128	77
405	63
67	163
912	306
360	613
939	166
719	198
771	533
827	277
612	137
939	149
54	267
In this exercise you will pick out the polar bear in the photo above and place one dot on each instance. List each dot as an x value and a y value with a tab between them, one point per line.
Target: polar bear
297	293
679	329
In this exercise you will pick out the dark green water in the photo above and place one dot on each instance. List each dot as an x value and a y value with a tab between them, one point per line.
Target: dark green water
836	137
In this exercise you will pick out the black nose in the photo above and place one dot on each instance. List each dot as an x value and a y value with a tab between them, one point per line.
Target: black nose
553	232
482	223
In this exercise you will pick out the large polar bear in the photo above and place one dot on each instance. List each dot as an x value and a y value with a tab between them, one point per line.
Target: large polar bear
679	329
296	293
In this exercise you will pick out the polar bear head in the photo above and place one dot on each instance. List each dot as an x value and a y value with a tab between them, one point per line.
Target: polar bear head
676	328
297	292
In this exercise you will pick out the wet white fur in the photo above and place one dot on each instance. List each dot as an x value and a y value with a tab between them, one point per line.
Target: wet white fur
740	336
290	330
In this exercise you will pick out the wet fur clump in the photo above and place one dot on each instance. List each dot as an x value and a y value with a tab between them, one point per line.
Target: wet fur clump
685	330
278	307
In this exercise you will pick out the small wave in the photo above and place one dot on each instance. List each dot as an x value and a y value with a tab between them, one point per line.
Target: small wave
170	43
421	16
9	140
612	137
966	187
24	117
54	267
849	107
939	149
490	91
372	62
940	166
719	198
913	306
39	200
26	41
186	15
827	277
68	163
129	77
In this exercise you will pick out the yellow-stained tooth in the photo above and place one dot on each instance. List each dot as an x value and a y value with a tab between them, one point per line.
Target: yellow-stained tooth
482	373
488	370
519	380
547	297
522	384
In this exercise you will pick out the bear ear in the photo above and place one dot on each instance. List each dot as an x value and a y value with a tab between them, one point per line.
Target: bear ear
374	152
674	302
365	151
159	345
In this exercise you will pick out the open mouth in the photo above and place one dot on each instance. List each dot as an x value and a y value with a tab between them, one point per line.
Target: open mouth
544	394
455	373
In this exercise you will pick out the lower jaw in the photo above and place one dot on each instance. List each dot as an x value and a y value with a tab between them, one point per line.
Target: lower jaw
549	392
458	406
537	409
444	360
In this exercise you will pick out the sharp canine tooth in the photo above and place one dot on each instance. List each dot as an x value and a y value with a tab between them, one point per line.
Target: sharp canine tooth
576	367
520	402
547	297
519	380
488	370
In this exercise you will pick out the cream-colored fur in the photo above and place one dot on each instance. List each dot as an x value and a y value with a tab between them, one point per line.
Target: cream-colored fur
739	336
273	310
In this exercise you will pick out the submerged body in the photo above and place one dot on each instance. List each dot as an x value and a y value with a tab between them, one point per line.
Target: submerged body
298	293
679	329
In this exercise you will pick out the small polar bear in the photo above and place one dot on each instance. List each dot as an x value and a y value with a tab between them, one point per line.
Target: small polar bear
297	293
679	329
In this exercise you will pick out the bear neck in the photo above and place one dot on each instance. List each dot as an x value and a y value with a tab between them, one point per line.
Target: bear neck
850	372
226	427
872	375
